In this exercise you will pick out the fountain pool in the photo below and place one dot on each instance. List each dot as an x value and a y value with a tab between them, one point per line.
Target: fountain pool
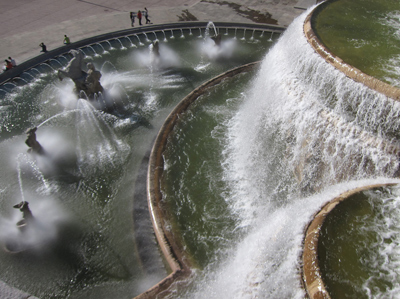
245	169
81	190
369	46
263	161
363	262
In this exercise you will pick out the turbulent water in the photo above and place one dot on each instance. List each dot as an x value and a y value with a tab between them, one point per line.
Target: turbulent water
304	134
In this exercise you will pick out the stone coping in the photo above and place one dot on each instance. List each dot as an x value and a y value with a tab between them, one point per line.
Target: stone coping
311	272
349	70
174	253
26	65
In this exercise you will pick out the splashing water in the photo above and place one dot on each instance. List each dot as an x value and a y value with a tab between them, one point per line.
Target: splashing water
304	134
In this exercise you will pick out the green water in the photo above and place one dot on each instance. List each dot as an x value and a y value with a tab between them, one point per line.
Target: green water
357	246
193	183
96	254
364	33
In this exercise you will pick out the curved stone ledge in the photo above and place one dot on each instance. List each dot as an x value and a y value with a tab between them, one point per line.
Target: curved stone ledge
173	251
311	272
349	70
24	66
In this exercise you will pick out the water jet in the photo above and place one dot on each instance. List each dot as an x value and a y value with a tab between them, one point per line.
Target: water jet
107	147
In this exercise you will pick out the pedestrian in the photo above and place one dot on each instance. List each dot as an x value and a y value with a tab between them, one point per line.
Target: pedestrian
12	61
139	16
66	40
132	19
8	64
44	48
146	15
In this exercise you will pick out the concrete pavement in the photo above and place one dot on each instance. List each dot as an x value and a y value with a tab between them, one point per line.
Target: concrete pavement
25	24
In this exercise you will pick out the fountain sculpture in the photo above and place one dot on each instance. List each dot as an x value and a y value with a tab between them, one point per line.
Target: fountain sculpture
27	216
92	81
156	48
32	143
217	39
87	82
25	226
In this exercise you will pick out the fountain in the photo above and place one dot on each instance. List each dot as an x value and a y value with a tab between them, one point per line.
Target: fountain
264	160
332	258
32	143
87	82
244	168
80	189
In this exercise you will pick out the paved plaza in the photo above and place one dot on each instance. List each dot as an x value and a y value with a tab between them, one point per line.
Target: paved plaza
25	24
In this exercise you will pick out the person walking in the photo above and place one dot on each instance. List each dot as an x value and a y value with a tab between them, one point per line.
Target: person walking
132	16
146	15
12	61
139	16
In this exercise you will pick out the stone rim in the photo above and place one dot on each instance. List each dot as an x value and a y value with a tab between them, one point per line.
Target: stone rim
311	272
349	70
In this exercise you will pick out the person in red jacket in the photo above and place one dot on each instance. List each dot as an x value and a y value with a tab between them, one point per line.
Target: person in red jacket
139	16
8	64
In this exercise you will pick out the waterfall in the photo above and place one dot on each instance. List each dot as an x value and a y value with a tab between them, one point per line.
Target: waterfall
304	134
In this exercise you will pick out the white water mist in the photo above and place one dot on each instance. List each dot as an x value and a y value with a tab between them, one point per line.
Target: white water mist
305	134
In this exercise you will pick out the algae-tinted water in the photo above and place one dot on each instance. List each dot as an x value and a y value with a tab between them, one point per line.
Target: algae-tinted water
364	33
358	246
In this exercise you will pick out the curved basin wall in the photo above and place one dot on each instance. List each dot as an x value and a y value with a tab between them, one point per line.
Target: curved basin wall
47	57
350	71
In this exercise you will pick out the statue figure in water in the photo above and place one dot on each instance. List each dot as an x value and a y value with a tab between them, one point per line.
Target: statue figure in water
32	143
88	82
74	70
93	85
156	48
217	39
27	216
18	243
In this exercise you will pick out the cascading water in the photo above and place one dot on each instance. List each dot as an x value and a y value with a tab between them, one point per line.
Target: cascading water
304	134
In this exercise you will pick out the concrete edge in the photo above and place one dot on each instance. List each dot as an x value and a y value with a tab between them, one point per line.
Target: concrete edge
349	70
311	272
174	253
43	58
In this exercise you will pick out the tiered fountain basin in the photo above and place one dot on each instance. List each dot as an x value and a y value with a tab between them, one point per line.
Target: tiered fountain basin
240	174
349	245
179	252
343	245
101	250
360	39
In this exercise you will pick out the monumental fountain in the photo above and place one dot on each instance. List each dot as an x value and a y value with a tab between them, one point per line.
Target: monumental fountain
243	177
244	167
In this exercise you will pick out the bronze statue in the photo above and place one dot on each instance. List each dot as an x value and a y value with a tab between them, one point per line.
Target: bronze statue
156	48
92	82
217	39
27	216
87	82
32	143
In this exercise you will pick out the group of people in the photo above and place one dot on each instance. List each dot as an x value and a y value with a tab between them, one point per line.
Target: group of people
9	64
139	15
66	41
